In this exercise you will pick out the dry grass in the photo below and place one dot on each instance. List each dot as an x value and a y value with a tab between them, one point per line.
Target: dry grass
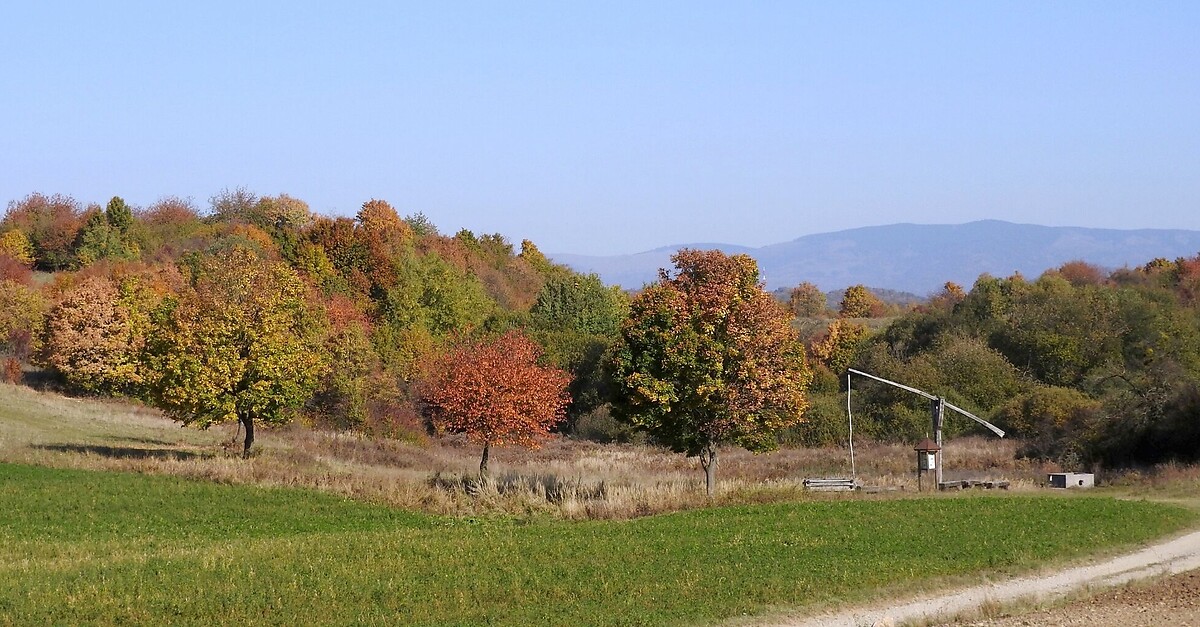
565	478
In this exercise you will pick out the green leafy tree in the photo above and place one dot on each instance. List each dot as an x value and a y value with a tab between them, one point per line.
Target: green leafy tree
579	303
281	212
1059	333
345	391
430	293
241	344
421	225
576	318
706	357
107	234
969	372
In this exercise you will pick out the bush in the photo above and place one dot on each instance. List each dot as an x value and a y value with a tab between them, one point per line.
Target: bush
599	425
397	421
824	423
1052	420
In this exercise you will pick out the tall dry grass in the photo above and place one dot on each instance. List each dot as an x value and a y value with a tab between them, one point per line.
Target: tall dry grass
564	478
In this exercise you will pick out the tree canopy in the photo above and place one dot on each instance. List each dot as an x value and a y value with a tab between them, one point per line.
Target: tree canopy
242	343
494	390
706	357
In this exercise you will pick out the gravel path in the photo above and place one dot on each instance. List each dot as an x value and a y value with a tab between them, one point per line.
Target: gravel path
1173	600
1174	556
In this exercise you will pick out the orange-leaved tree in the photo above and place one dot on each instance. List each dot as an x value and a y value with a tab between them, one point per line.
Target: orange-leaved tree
91	339
707	357
495	391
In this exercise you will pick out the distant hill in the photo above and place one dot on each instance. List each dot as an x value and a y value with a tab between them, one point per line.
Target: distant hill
916	258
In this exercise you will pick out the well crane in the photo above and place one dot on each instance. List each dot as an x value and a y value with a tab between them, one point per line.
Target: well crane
938	406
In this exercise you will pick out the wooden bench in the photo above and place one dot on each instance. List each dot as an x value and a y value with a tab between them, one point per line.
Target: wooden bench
830	485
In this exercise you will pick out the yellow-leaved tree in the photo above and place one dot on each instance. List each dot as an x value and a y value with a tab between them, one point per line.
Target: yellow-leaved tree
241	343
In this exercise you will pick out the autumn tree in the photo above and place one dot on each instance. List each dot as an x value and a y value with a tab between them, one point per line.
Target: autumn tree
241	344
51	224
347	254
495	391
170	227
16	245
952	294
15	271
16	257
22	316
835	348
90	339
231	205
1080	273
807	300
858	302
706	357
537	260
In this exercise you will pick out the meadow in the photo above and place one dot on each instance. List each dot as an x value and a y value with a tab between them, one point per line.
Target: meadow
110	514
102	547
565	478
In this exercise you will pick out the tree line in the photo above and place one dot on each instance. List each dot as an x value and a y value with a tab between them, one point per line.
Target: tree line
1086	366
254	309
258	311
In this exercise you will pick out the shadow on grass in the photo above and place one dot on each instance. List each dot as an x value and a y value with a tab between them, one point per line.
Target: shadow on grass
121	452
153	441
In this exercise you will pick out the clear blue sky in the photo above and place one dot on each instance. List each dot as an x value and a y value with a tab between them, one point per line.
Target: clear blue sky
617	127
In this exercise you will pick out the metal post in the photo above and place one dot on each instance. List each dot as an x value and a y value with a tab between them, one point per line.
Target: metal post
853	474
938	407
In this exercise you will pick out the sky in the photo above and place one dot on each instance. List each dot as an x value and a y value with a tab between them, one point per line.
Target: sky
616	127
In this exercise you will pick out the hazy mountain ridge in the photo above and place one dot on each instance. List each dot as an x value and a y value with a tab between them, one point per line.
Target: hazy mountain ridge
916	258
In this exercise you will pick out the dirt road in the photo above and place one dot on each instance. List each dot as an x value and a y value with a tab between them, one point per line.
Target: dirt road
1172	600
1178	555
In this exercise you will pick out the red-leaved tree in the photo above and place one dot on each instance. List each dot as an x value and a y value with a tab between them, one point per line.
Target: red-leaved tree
494	390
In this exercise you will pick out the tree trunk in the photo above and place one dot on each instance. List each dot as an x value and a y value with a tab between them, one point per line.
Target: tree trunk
708	461
248	423
483	469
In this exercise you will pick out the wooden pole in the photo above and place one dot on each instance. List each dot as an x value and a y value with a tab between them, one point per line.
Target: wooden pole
938	409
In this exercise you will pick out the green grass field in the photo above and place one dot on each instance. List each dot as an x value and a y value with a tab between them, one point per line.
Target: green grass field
95	547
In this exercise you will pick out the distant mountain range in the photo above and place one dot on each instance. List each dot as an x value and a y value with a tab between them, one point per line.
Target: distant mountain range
913	257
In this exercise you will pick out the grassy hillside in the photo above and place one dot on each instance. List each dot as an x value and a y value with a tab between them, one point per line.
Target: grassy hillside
95	547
